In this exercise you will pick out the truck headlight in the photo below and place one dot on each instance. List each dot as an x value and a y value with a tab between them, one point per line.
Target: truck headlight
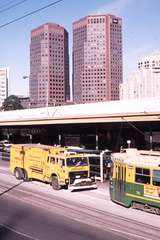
93	178
67	181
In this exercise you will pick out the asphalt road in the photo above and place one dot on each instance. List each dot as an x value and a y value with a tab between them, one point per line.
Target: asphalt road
34	210
21	221
38	219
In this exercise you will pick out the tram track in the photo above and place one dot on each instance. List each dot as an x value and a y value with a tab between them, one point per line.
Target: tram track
105	220
78	212
146	208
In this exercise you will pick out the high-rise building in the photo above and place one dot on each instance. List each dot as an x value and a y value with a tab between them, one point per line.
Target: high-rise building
4	77
97	58
145	82
49	66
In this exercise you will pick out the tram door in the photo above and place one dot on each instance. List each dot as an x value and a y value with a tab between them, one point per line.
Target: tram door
120	182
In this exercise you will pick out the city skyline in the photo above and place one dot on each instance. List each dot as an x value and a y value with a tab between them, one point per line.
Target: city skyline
140	34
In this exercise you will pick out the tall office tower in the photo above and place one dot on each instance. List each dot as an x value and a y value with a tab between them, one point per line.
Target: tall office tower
145	82
4	77
49	66
97	58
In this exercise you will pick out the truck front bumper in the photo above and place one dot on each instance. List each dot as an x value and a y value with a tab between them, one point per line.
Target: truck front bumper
82	184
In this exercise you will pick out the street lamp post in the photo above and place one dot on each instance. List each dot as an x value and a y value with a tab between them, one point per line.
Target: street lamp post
27	77
30	137
129	143
8	136
151	141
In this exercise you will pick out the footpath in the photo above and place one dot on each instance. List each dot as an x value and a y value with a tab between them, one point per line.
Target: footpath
103	187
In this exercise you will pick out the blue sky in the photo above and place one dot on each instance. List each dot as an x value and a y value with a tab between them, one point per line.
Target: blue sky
141	31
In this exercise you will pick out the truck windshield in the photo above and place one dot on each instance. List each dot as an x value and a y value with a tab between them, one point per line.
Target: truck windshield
77	161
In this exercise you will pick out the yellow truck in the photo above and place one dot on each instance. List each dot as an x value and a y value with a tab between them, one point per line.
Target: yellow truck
54	165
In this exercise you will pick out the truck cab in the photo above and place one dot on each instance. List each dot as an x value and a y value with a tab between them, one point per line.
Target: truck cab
69	170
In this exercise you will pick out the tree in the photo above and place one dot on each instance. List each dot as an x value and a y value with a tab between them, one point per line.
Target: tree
11	103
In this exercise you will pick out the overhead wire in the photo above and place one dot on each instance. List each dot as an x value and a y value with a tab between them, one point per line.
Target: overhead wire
132	125
6	4
119	135
13	6
31	13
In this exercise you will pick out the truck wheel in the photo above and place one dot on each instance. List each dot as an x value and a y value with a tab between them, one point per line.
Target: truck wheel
25	176
55	183
18	173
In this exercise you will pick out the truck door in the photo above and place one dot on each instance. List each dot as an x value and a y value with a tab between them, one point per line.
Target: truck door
46	168
61	169
56	166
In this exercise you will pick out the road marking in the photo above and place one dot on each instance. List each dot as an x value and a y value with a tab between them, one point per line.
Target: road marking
3	168
18	232
102	192
130	234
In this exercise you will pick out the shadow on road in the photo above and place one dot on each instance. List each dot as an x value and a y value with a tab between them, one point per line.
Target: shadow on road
9	189
8	227
8	230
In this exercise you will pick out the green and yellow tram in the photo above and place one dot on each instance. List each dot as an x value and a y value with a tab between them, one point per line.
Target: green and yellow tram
135	179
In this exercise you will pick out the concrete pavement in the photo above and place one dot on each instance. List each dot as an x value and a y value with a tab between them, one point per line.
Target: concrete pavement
102	186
